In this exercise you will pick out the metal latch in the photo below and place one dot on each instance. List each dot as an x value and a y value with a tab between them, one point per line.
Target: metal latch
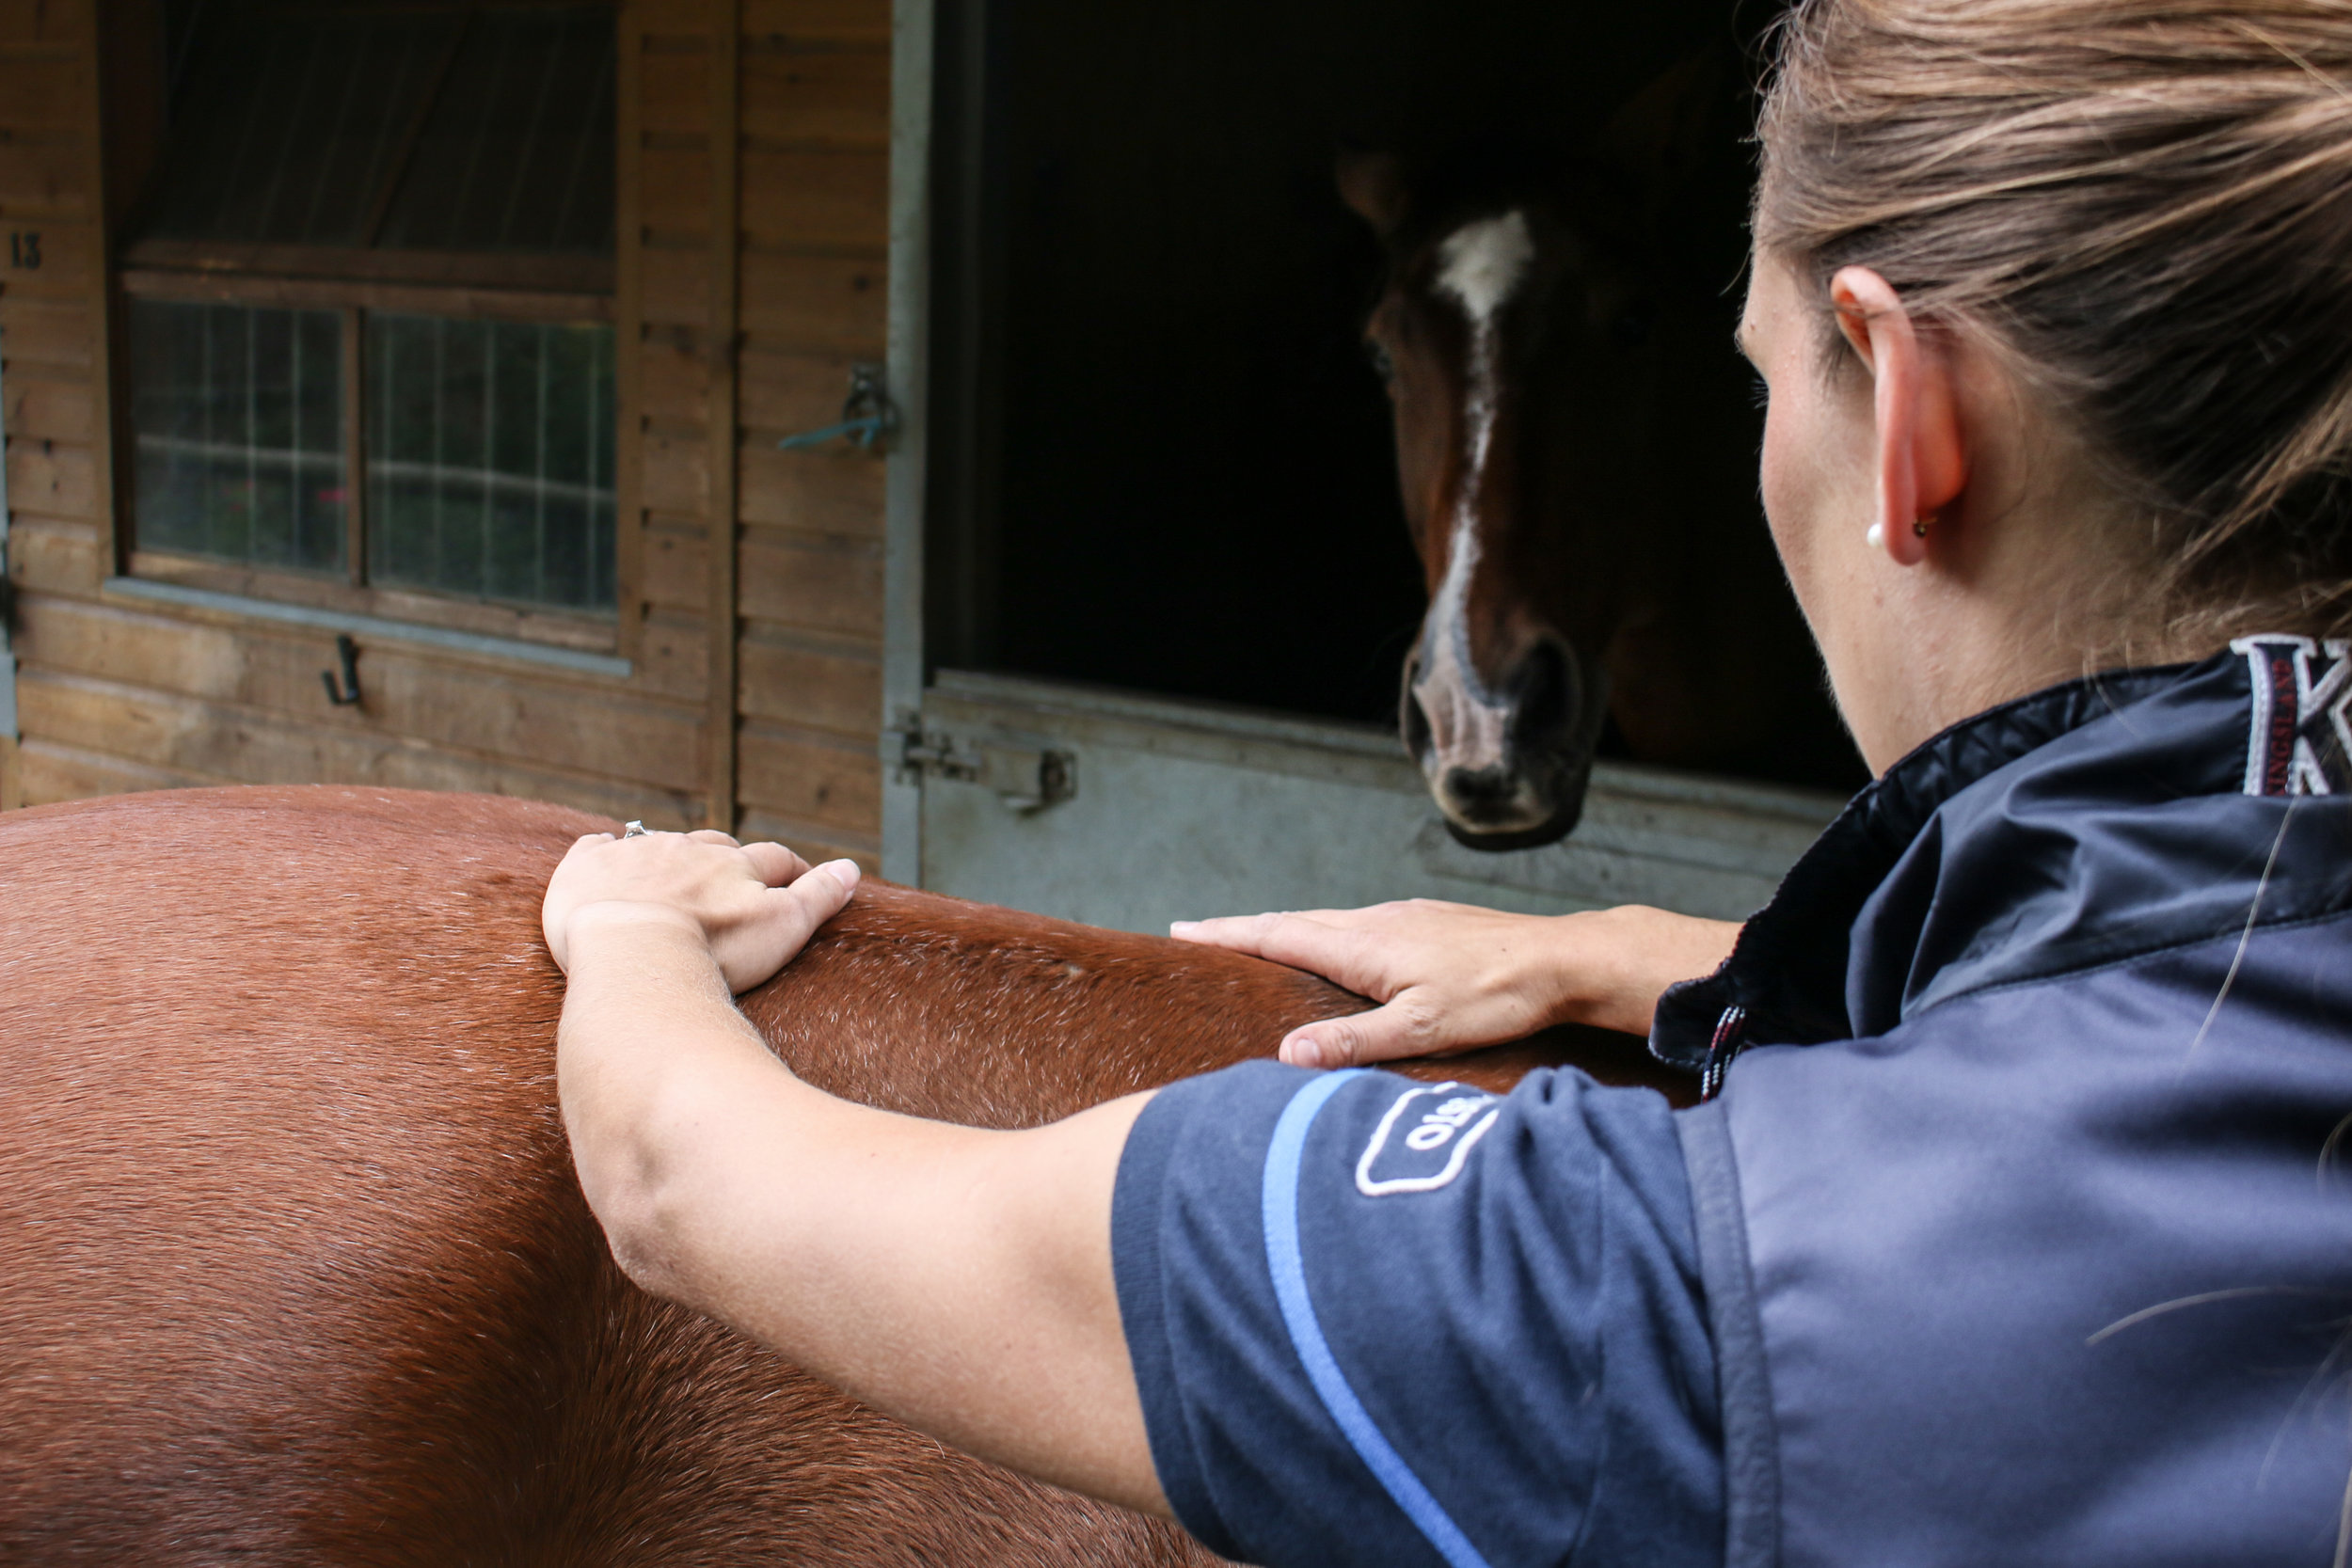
1025	779
868	417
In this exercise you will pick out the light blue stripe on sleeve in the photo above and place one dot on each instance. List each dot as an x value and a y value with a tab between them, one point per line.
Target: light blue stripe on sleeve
1281	1210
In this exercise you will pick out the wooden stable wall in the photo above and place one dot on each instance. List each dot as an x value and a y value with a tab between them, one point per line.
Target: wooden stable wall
753	170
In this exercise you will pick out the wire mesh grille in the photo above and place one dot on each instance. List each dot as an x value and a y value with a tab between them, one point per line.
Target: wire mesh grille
518	152
293	126
492	130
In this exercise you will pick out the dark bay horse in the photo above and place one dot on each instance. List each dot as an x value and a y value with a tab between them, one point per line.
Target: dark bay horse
1576	442
294	1269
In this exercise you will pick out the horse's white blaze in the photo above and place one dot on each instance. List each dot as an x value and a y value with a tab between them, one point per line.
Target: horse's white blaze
1465	720
1482	265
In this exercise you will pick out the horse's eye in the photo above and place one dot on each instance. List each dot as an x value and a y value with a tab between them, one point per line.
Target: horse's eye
1382	366
1629	327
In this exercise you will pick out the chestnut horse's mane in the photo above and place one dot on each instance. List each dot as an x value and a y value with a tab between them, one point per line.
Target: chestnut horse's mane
292	1263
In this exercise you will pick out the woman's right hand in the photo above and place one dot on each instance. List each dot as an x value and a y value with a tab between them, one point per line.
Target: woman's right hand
752	905
1454	978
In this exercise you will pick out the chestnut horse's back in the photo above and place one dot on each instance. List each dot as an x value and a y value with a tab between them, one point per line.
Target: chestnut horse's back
293	1264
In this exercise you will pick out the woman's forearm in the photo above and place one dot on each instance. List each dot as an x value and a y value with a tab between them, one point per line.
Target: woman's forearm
957	1279
649	1047
1612	965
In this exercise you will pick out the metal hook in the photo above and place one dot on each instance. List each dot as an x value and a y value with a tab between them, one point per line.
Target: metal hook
867	415
347	694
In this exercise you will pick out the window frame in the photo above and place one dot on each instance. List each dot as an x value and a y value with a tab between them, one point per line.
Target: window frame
352	300
542	288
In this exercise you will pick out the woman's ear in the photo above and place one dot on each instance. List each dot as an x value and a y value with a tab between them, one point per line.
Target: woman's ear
1921	453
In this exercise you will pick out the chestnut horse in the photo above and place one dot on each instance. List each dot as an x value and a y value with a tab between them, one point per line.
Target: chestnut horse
293	1268
1576	439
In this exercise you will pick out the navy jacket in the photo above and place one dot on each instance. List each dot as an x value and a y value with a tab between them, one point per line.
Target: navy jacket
2016	1234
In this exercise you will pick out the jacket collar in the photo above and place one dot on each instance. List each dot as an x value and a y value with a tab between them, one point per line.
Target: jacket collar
2081	824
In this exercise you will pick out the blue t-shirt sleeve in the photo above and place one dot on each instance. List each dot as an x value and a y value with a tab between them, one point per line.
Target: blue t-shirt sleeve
1374	1321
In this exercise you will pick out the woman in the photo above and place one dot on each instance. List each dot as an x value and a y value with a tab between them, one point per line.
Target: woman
2009	1233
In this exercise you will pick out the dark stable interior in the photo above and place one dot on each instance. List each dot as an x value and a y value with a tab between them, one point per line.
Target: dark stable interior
1183	480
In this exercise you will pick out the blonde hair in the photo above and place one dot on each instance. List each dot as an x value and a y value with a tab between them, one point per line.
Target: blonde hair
2147	206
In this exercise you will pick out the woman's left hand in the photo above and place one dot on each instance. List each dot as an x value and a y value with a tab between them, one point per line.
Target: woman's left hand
753	905
1453	977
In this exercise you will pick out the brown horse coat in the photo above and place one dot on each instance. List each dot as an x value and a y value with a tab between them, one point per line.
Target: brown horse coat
293	1264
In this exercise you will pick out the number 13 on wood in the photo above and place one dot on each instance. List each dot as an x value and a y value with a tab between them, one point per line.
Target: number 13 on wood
25	249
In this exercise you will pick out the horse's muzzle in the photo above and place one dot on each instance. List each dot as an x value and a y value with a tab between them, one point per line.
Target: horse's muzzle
1533	793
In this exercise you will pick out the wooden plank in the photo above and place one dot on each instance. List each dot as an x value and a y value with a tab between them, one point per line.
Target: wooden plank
677	192
819	492
492	271
50	771
676	285
629	335
25	22
675	567
825	98
810	778
672	24
49	259
41	179
134	88
814	844
674	661
816	302
411	692
784	391
424	299
53	479
46	408
677	474
177	738
810	687
53	555
141	129
675	92
42	92
726	202
515	272
672	384
355	433
46	333
817	198
835	589
547	625
779	21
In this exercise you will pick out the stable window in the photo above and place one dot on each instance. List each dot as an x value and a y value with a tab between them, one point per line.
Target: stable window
371	355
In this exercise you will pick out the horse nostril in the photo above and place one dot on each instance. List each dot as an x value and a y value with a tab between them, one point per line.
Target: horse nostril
1478	793
1544	699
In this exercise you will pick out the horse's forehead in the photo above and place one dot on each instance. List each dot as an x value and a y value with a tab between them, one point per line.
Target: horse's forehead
1483	262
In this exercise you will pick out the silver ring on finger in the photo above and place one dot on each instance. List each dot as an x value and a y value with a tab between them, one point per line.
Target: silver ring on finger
633	830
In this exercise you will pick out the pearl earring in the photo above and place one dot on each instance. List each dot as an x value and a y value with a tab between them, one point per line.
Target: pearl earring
1875	536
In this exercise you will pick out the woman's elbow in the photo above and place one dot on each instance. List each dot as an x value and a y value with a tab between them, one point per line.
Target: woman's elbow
630	1171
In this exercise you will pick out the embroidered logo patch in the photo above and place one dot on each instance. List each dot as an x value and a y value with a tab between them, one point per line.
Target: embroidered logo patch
2300	743
1423	1138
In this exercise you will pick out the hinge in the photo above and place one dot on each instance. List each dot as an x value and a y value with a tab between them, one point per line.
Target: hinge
1025	779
